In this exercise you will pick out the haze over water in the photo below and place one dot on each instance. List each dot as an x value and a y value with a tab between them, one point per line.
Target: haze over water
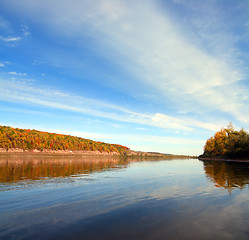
44	197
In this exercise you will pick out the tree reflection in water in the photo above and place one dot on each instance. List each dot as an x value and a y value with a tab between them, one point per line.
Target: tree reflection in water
228	175
17	168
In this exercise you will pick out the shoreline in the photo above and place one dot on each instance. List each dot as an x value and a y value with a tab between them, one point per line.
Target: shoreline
96	153
57	152
129	153
224	159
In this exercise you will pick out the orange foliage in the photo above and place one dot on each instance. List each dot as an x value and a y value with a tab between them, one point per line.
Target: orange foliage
33	139
228	143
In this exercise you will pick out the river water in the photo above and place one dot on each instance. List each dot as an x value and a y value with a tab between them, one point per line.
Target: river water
56	197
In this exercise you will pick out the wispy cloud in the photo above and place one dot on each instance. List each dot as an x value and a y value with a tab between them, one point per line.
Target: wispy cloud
4	24
25	30
10	39
4	63
139	138
19	91
172	60
9	34
18	74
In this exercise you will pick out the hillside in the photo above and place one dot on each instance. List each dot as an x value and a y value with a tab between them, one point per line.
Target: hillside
26	139
228	143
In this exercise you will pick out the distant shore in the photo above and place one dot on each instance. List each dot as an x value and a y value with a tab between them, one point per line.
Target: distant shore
129	153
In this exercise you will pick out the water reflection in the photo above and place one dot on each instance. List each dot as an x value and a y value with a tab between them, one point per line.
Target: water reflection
18	168
228	175
150	200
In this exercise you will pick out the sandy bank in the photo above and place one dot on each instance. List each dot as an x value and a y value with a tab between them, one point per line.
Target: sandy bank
67	152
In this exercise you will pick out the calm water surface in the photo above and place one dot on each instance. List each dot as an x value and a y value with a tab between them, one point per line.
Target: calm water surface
44	197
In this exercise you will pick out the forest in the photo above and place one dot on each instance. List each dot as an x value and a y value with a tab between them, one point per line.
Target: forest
228	143
27	139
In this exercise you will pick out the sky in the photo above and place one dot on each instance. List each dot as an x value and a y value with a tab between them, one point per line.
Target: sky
153	75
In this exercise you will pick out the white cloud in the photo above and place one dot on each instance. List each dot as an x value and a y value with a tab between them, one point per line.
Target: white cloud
10	39
25	30
18	74
183	124
4	63
172	123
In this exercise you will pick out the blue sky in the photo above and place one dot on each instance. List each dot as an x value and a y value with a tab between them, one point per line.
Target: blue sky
151	75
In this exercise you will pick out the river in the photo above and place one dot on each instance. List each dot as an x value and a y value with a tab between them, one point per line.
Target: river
66	197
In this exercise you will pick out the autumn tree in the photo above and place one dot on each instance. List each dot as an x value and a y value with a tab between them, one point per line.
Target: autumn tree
228	143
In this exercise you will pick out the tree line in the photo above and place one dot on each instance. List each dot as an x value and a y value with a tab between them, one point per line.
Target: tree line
228	143
27	139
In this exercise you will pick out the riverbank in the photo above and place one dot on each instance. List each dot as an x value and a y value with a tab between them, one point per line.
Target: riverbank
224	159
60	152
129	153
